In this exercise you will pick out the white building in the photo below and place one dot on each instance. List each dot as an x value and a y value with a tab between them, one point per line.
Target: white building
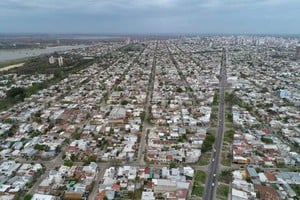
51	60
42	197
60	60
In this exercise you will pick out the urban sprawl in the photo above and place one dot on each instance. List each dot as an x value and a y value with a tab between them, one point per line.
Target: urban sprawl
213	117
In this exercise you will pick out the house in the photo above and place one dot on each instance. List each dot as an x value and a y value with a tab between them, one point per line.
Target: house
91	169
44	187
75	192
148	195
251	172
164	185
117	112
240	160
8	167
271	178
266	193
43	197
238	195
188	171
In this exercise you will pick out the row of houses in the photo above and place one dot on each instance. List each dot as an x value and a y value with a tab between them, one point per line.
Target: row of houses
154	182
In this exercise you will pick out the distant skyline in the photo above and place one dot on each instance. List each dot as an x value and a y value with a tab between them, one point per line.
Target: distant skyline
150	16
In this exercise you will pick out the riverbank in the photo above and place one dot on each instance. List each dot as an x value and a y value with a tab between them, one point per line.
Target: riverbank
11	66
8	55
13	62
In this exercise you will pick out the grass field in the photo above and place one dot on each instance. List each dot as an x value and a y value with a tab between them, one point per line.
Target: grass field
200	177
204	159
222	192
199	182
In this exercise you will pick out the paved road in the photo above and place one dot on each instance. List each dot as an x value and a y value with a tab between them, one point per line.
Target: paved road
143	142
101	170
49	165
211	181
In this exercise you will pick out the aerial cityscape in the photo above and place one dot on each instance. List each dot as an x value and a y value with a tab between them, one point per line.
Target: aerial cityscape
127	114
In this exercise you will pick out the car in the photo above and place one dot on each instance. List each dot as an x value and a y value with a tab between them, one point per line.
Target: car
213	160
214	175
215	150
213	184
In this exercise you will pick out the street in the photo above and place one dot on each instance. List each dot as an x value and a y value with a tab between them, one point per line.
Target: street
143	142
212	182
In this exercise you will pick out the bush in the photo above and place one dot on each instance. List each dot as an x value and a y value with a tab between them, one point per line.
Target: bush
267	140
229	136
179	90
208	142
68	163
172	165
41	147
216	98
124	102
226	176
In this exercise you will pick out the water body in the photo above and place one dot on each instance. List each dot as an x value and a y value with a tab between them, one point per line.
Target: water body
13	54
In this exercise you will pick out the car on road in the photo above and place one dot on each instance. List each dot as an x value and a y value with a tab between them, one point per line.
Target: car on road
213	184
213	160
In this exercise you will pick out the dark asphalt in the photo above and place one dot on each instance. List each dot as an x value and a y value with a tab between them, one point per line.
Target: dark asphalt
212	182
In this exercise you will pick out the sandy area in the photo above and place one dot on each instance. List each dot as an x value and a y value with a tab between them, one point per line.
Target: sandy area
11	66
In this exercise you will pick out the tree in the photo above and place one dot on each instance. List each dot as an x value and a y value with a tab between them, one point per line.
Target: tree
72	157
180	139
124	102
267	140
76	135
58	74
216	98
179	90
172	165
41	147
16	94
207	143
111	131
264	90
92	158
142	115
119	88
28	197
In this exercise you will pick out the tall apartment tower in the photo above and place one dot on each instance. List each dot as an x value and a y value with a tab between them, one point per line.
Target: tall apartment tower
298	52
51	60
60	60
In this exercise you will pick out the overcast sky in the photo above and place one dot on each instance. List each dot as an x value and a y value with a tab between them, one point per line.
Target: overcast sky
150	16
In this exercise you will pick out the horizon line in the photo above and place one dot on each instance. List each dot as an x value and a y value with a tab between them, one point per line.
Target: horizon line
148	34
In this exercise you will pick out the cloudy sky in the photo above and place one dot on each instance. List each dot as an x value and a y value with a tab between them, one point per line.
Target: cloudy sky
150	16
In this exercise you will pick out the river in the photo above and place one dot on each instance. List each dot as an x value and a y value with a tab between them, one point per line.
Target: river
13	54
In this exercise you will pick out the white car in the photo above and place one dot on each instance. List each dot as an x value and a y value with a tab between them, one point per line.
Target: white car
213	184
214	175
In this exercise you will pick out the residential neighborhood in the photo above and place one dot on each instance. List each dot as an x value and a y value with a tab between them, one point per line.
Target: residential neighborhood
154	119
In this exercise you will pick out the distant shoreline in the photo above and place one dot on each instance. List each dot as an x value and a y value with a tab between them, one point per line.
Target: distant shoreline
14	54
